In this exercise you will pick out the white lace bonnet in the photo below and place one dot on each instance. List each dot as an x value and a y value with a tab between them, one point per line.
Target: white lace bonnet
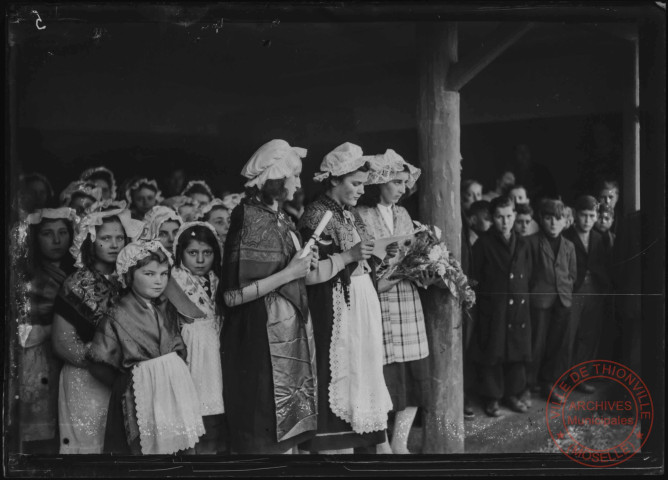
87	227
134	252
384	168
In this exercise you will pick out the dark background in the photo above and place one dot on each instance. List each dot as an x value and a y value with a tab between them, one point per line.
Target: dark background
144	95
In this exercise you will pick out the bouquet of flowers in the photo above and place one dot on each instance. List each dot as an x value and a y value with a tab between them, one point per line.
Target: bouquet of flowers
426	252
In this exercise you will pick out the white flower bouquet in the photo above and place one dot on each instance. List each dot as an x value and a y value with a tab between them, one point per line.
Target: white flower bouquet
426	253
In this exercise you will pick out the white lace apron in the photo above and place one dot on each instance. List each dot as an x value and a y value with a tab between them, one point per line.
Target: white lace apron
203	346
202	339
168	411
357	392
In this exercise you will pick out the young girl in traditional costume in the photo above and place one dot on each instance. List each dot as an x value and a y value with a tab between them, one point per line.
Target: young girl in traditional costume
186	207
162	223
405	347
199	191
138	351
50	234
269	372
81	303
142	195
80	195
354	401
103	178
217	214
197	255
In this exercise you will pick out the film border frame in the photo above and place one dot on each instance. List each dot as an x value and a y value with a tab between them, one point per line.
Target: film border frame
651	26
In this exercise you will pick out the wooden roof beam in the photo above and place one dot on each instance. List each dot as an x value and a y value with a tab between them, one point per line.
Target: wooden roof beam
498	42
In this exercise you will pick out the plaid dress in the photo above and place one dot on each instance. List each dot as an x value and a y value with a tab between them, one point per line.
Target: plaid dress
404	333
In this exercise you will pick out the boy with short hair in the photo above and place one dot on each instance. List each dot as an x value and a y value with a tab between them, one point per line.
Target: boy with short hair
478	219
518	194
553	275
502	339
606	218
525	225
591	283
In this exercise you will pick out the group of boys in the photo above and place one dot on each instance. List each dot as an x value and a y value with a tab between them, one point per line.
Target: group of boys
540	285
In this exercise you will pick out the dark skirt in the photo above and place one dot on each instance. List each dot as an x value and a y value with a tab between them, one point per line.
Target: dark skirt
408	383
248	388
115	436
333	432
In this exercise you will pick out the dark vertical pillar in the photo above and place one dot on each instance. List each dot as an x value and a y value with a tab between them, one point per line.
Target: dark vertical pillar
439	141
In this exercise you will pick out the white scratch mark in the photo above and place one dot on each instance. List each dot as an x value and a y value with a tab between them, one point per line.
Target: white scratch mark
38	21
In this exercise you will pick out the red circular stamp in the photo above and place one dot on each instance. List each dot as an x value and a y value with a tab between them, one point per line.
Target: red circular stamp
601	430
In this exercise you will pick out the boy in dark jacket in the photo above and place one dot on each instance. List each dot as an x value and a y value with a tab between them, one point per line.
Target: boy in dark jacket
592	282
553	275
502	268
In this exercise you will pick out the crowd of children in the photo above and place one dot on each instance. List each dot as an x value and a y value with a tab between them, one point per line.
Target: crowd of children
543	273
194	324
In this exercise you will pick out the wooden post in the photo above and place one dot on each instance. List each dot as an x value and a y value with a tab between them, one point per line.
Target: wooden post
439	129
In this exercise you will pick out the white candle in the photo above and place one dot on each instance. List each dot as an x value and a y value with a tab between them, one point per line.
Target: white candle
318	230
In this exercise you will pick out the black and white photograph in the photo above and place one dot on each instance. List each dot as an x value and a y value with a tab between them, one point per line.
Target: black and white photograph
334	239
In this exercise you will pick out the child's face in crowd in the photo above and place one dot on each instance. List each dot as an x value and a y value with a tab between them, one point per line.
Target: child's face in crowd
505	181
522	224
219	219
604	222
551	225
568	217
150	281
198	257
187	213
81	202
53	240
201	198
480	222
392	191
109	241
503	219
143	199
40	193
585	220
104	187
167	233
608	196
472	194
519	196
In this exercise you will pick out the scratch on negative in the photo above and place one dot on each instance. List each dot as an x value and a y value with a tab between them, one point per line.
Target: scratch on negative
157	469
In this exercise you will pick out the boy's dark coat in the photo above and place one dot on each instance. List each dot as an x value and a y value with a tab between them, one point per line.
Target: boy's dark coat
597	260
551	277
503	328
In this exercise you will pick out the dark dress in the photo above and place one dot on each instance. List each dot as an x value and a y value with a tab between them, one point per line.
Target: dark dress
333	432
269	379
39	369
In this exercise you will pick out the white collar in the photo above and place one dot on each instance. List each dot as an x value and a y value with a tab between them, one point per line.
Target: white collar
383	207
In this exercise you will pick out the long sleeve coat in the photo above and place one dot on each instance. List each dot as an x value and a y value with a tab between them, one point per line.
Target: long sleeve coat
552	277
502	270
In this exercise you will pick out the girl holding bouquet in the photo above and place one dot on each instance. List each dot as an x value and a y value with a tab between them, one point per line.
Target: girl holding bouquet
405	347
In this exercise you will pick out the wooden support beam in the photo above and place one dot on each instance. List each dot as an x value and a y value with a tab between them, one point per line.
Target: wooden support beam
498	42
439	137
